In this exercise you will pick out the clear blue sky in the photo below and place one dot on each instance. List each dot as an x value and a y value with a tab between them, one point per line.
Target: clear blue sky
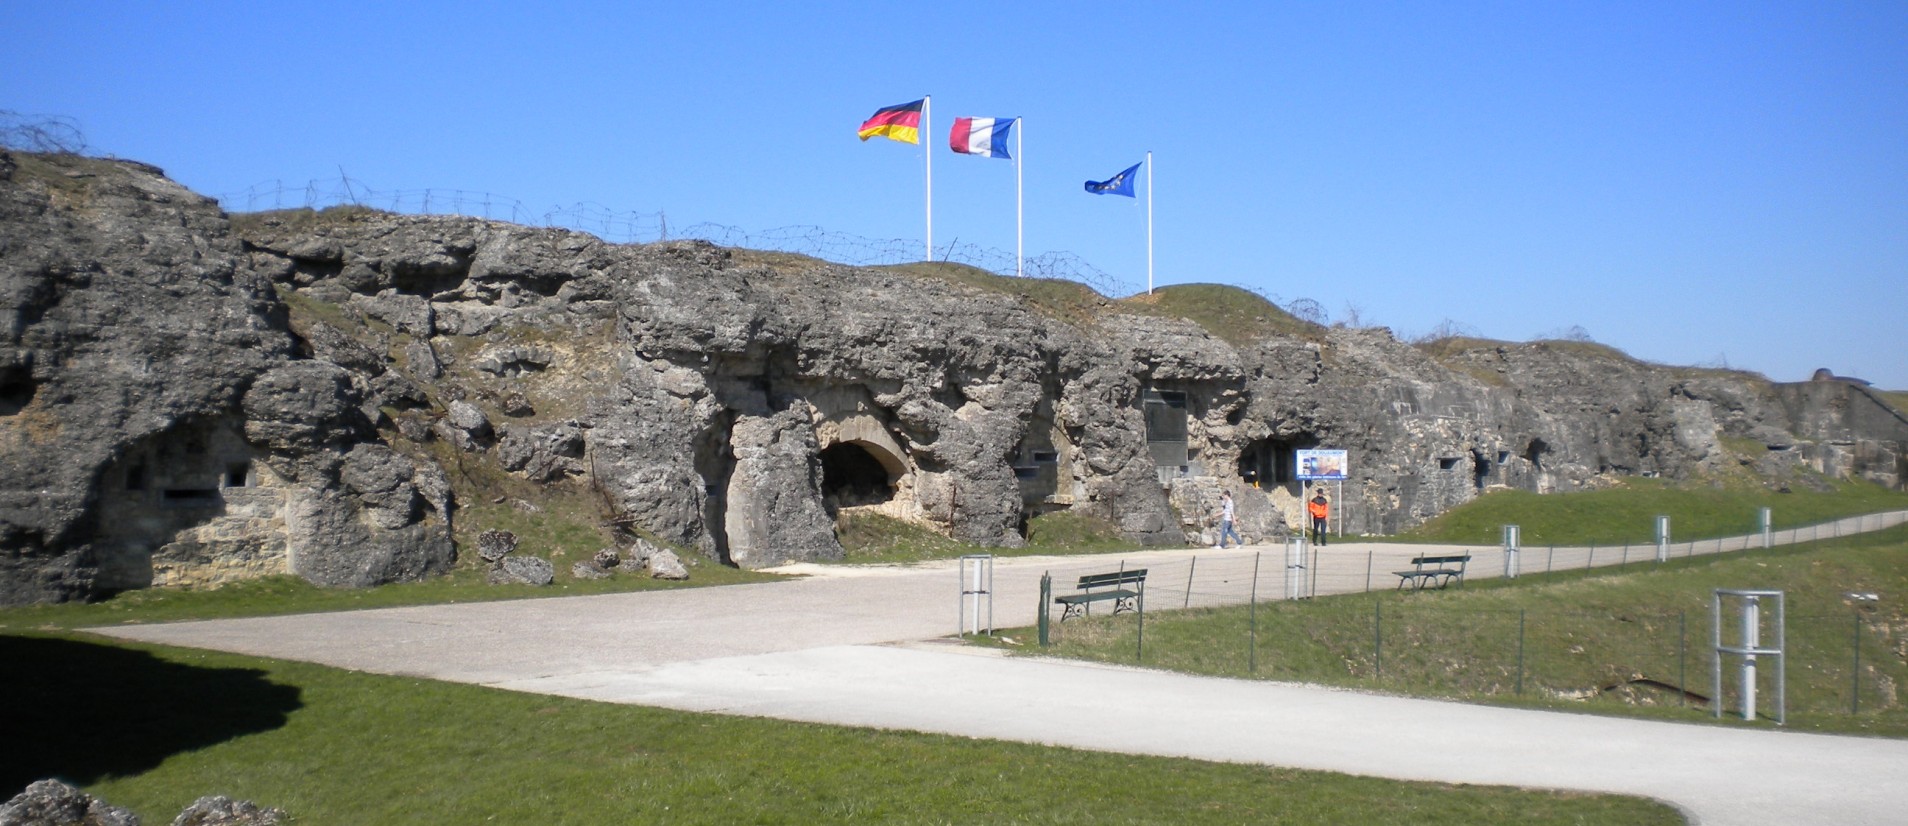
1694	183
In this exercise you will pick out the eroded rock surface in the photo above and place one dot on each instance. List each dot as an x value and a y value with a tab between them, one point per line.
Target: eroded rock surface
183	400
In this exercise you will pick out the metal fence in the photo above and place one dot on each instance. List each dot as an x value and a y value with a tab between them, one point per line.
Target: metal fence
1843	662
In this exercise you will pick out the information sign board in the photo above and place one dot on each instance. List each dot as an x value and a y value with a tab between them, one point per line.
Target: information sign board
1322	465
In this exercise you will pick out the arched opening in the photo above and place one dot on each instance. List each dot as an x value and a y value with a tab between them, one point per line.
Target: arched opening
853	476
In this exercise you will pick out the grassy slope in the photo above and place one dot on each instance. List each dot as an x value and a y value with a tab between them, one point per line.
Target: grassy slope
1583	634
1898	398
1229	313
135	725
875	538
1628	513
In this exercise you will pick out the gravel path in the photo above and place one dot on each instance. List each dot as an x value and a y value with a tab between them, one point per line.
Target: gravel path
868	646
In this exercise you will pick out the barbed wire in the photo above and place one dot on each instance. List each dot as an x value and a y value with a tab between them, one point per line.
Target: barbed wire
637	227
41	133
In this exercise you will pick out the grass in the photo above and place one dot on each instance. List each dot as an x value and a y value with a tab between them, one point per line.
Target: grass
1895	398
875	538
1619	641
1233	315
136	725
1628	513
1068	301
279	595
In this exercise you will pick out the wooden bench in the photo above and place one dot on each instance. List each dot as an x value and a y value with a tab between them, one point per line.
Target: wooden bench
1433	571
1096	587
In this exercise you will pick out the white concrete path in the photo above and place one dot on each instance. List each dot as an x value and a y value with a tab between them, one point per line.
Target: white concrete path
867	647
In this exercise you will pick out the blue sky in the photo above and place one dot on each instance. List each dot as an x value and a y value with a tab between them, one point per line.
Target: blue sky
1692	182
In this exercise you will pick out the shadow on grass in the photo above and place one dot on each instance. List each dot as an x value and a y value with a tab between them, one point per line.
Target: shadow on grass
82	712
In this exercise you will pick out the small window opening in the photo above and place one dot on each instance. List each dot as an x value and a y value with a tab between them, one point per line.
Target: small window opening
1447	463
136	477
1046	456
238	475
191	494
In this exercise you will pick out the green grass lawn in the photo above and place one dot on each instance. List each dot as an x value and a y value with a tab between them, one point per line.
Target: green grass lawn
153	728
291	595
1618	641
874	538
1628	513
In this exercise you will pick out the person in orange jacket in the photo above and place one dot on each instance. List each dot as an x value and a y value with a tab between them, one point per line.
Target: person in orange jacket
1320	511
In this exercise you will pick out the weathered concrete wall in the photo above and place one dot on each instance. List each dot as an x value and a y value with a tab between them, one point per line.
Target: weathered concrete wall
1856	433
136	338
709	394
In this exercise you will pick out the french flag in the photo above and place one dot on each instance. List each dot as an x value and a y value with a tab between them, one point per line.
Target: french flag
986	137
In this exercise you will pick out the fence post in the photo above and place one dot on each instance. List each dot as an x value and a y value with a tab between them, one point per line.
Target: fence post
1378	641
1520	651
1682	655
1252	621
1368	557
1855	680
1046	600
1139	652
1190	569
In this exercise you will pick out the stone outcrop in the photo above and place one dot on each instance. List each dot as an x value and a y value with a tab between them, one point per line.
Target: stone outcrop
219	810
294	380
160	423
52	803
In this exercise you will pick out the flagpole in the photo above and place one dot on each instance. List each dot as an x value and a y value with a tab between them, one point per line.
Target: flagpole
927	148
1020	232
1149	222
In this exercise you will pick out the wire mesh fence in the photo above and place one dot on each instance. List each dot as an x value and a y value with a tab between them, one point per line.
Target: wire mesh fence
1839	663
636	227
1215	578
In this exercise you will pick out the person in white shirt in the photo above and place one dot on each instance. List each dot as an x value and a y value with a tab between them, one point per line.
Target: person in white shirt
1227	525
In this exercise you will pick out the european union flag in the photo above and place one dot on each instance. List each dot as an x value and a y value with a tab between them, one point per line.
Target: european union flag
1121	184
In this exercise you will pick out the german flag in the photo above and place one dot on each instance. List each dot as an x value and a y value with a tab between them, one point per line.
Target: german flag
897	123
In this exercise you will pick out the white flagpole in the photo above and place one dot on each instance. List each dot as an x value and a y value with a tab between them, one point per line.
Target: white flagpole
927	148
1020	232
1149	222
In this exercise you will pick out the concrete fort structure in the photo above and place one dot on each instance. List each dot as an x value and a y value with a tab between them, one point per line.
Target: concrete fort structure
188	397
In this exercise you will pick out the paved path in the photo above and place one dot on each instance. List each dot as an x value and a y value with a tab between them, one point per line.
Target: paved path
867	647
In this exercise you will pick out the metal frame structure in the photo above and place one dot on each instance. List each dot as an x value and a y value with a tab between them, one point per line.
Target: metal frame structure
975	586
1749	649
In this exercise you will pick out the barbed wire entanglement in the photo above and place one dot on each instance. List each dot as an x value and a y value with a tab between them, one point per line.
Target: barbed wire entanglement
41	133
637	227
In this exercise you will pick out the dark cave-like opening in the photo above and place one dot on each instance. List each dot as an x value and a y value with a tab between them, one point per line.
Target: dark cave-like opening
852	476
